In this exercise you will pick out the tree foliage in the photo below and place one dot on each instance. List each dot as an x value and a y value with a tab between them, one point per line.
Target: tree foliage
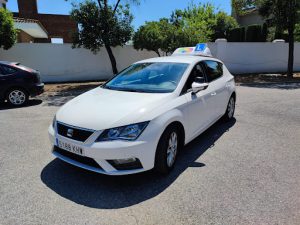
297	32
102	25
195	24
223	25
8	34
151	36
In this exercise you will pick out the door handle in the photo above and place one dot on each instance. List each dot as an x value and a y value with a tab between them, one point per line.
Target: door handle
213	94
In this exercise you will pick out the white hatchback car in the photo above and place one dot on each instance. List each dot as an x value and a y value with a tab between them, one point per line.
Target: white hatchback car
142	117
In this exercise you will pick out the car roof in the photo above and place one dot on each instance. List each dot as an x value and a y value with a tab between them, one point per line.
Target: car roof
179	59
8	63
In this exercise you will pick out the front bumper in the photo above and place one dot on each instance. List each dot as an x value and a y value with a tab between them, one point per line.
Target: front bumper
102	153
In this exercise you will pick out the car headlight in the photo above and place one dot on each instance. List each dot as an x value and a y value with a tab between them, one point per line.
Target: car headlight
129	133
54	121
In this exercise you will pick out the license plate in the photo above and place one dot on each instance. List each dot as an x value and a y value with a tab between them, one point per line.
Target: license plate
69	147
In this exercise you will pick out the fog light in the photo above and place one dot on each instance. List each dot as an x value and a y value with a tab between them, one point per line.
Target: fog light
124	161
126	164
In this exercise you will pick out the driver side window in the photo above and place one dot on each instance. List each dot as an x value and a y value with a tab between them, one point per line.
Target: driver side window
1	71
197	72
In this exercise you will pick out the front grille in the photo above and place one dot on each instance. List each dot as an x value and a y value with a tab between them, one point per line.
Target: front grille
81	159
77	133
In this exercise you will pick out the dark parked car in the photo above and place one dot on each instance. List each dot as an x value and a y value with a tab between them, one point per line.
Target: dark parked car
18	83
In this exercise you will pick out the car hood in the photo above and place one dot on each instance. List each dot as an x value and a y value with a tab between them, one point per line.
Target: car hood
101	108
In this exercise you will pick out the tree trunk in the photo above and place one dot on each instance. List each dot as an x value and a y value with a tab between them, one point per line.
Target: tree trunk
291	30
291	54
112	59
157	52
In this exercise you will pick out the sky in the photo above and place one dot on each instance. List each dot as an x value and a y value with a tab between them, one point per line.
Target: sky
148	10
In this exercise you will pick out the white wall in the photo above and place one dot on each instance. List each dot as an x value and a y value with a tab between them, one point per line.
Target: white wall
256	57
62	63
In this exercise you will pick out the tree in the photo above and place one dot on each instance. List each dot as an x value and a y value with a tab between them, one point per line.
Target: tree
8	34
284	14
102	25
161	36
195	24
149	36
223	24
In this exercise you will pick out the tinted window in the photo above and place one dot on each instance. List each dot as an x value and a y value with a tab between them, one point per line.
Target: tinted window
1	71
213	69
8	70
157	77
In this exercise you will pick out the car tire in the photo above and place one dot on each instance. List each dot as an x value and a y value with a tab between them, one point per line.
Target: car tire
229	114
17	97
167	150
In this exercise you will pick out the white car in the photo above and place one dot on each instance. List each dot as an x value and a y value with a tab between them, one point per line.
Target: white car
142	118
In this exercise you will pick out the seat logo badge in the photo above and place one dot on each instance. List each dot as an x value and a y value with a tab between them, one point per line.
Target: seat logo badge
70	132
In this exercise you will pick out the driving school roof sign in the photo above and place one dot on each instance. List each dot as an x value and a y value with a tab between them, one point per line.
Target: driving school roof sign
200	50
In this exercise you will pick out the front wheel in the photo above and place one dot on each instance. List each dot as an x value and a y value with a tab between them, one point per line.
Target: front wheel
17	97
230	109
167	150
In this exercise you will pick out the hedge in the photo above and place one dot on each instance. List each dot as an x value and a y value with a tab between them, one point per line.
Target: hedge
252	33
236	35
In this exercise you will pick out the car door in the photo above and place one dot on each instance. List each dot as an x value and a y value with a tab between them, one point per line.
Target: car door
199	114
216	88
7	78
3	83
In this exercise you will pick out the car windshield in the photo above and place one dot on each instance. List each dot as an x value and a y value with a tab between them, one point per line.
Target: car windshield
155	77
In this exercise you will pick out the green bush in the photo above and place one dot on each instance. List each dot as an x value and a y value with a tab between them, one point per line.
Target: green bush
264	33
8	34
254	33
236	35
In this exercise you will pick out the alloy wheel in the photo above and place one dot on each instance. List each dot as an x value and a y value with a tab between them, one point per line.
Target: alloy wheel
231	107
172	149
17	97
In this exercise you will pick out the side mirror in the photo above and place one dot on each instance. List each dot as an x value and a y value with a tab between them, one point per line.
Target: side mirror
196	87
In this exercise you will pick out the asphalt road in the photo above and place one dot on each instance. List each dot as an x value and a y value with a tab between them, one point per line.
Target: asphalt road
243	172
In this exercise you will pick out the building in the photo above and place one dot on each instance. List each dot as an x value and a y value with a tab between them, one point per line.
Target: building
30	31
249	17
3	3
42	28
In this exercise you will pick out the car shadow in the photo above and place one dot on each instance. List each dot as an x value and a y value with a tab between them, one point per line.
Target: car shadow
31	102
109	192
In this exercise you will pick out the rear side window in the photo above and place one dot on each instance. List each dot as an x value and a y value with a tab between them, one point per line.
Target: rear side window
6	70
213	69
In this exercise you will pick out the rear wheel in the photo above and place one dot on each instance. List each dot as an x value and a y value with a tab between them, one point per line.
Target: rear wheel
167	150
230	109
17	97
